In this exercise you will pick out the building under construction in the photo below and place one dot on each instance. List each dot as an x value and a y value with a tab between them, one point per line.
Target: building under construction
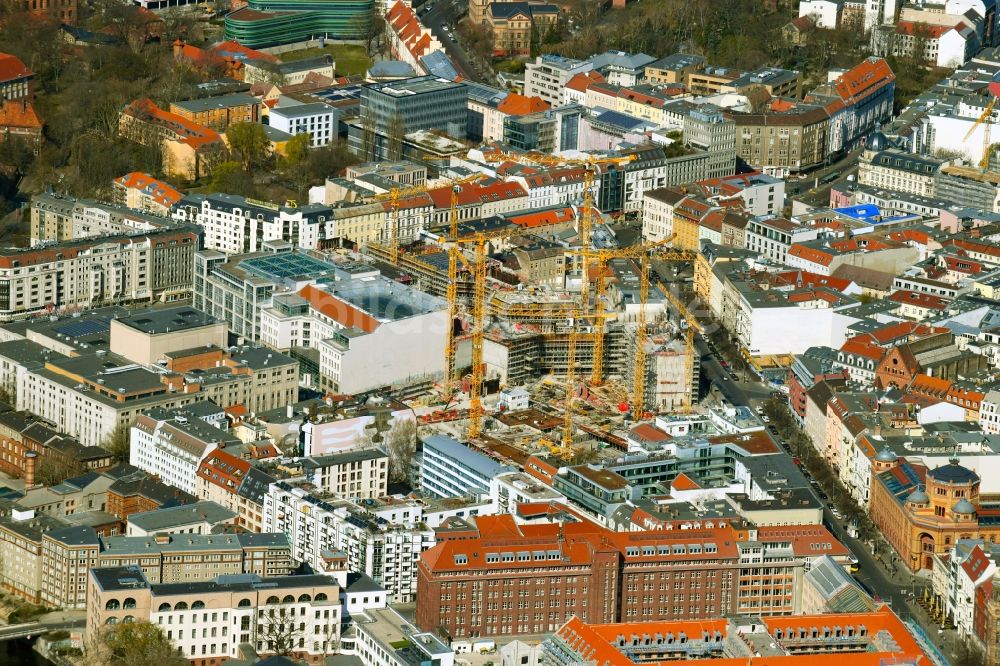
671	382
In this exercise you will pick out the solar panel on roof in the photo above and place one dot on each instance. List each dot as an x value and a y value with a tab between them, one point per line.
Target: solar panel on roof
83	327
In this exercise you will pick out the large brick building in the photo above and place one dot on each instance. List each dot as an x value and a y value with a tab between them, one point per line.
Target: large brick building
520	579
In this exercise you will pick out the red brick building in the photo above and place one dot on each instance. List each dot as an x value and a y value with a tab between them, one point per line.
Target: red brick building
520	579
63	11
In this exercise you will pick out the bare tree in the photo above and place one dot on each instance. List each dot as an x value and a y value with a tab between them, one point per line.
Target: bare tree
281	634
400	445
118	442
396	135
54	468
368	135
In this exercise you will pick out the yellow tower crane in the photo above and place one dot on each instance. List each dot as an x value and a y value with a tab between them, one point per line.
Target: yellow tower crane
397	194
590	164
986	120
566	447
478	267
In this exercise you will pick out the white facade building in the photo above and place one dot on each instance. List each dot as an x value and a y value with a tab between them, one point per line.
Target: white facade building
317	119
825	13
172	446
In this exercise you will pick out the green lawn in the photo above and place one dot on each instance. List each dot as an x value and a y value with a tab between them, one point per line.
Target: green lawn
350	58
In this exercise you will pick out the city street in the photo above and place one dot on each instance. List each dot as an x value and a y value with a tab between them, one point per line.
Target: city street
443	13
883	580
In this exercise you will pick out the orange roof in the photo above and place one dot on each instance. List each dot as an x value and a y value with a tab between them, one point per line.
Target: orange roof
806	540
412	34
476	193
684	482
162	192
543	218
862	346
889	640
338	310
811	254
893	332
580	82
237	50
808	279
12	68
188	132
928	301
19	113
926	30
518	105
863	79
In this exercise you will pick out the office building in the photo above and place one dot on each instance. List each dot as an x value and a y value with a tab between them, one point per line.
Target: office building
172	444
871	638
266	23
234	483
530	579
218	113
60	217
451	469
393	110
208	621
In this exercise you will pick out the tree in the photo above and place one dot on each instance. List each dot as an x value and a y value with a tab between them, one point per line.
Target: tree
249	141
396	135
54	468
400	445
119	441
279	633
297	149
368	134
133	644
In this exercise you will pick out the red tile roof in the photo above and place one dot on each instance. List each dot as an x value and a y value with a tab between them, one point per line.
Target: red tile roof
810	254
162	192
188	132
684	482
582	81
923	30
543	218
927	301
18	113
808	279
11	68
518	105
476	193
860	81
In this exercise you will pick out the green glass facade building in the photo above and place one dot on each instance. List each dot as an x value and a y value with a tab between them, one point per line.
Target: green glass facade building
265	23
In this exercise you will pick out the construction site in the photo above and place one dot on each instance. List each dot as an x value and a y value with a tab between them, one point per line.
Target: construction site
562	365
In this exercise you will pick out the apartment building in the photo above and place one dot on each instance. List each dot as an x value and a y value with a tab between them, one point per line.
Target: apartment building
513	579
60	217
658	213
898	170
137	493
788	137
21	563
68	553
220	112
317	119
383	550
549	74
140	191
198	518
359	474
234	483
773	237
172	444
86	273
237	225
208	621
15	78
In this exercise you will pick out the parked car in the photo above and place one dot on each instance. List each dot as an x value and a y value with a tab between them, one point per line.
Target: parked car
836	513
765	418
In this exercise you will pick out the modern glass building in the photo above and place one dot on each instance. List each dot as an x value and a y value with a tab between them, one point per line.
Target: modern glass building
264	23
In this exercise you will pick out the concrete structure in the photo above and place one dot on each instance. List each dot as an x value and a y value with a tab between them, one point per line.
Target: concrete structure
385	638
361	474
549	74
197	518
